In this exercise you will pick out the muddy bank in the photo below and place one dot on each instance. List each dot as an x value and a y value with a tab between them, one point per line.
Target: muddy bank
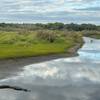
13	66
20	62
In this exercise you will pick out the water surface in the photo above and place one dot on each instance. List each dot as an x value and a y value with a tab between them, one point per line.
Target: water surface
75	78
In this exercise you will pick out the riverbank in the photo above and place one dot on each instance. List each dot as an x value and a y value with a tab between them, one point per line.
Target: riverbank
20	62
10	67
37	43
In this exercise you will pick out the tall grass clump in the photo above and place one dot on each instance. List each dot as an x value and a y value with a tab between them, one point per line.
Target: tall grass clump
47	35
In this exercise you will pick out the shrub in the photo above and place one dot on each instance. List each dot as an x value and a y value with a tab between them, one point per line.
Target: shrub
47	35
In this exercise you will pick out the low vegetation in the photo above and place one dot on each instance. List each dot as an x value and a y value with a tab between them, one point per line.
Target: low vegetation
24	40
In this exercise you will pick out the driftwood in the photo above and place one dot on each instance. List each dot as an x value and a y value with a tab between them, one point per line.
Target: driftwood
14	88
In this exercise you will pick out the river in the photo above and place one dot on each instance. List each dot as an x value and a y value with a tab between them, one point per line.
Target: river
73	78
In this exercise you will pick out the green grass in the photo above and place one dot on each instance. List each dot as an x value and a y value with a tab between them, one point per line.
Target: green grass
14	45
13	51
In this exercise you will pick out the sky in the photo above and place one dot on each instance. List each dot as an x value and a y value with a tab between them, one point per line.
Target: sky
45	11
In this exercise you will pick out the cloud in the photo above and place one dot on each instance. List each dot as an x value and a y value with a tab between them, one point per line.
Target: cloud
89	9
51	10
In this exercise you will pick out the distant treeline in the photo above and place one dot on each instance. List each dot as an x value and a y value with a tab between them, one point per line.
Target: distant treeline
49	26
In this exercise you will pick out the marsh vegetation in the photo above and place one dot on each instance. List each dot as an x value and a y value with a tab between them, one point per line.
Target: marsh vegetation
23	40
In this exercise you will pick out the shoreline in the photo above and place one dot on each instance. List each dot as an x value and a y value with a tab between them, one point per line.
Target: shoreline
23	61
11	67
20	62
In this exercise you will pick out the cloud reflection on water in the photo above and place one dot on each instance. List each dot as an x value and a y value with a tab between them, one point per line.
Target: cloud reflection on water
75	78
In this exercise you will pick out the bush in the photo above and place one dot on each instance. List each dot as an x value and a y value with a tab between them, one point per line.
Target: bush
93	34
47	35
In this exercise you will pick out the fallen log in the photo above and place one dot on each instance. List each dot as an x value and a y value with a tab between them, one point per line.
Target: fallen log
14	88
